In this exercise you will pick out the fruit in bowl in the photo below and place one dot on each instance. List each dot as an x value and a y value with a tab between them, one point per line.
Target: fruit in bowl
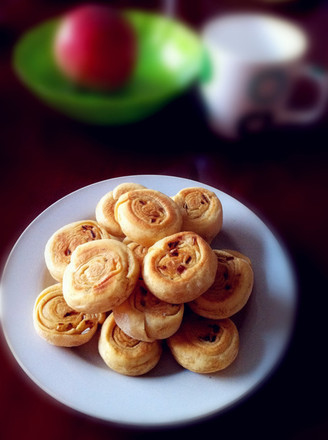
95	46
168	58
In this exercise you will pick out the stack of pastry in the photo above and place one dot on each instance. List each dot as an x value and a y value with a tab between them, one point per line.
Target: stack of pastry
145	272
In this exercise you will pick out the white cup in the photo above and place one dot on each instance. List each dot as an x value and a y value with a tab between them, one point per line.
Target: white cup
254	60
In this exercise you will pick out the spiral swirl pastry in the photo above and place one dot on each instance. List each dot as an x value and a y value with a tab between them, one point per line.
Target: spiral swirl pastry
179	268
147	215
58	323
64	241
231	289
124	354
145	317
138	250
201	211
205	345
100	276
105	215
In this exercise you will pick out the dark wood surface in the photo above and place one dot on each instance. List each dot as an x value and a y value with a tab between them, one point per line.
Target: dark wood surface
282	175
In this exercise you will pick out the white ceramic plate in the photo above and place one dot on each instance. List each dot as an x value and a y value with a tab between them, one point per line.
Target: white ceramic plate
169	394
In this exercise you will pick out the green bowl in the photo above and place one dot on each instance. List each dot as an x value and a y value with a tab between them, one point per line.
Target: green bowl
170	60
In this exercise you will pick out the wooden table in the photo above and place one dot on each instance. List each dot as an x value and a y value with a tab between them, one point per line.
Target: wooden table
282	175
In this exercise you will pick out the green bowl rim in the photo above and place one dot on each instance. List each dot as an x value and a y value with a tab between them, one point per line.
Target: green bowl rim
101	99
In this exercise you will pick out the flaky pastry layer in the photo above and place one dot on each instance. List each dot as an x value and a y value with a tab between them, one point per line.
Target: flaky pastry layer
231	289
179	268
145	317
105	215
147	215
201	211
58	323
138	249
100	276
64	241
125	187
205	345
124	354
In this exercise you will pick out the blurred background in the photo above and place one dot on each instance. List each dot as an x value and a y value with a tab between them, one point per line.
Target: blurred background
280	173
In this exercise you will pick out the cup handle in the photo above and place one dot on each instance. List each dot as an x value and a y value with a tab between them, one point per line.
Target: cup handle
320	77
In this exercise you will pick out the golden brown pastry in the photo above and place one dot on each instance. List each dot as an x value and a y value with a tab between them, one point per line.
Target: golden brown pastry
231	289
201	211
63	242
205	345
138	250
122	188
179	268
58	323
147	215
124	354
145	317
100	276
105	215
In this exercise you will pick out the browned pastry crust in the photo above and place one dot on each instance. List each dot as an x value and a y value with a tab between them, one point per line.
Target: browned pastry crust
231	289
147	215
58	323
125	187
179	268
145	317
203	345
201	211
124	354
138	250
101	275
63	242
105	215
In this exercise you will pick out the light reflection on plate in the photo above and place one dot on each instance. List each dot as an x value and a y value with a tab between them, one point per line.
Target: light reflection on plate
167	395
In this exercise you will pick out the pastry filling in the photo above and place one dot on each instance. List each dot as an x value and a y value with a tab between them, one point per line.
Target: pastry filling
179	256
56	315
149	210
209	334
144	300
122	339
225	279
196	204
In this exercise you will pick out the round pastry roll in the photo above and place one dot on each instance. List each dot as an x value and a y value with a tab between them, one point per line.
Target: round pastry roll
145	317
124	354
201	211
100	276
180	267
58	323
205	345
125	187
138	249
231	289
105	215
64	241
147	215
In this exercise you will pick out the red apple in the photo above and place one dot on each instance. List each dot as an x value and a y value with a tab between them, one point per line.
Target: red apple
95	46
